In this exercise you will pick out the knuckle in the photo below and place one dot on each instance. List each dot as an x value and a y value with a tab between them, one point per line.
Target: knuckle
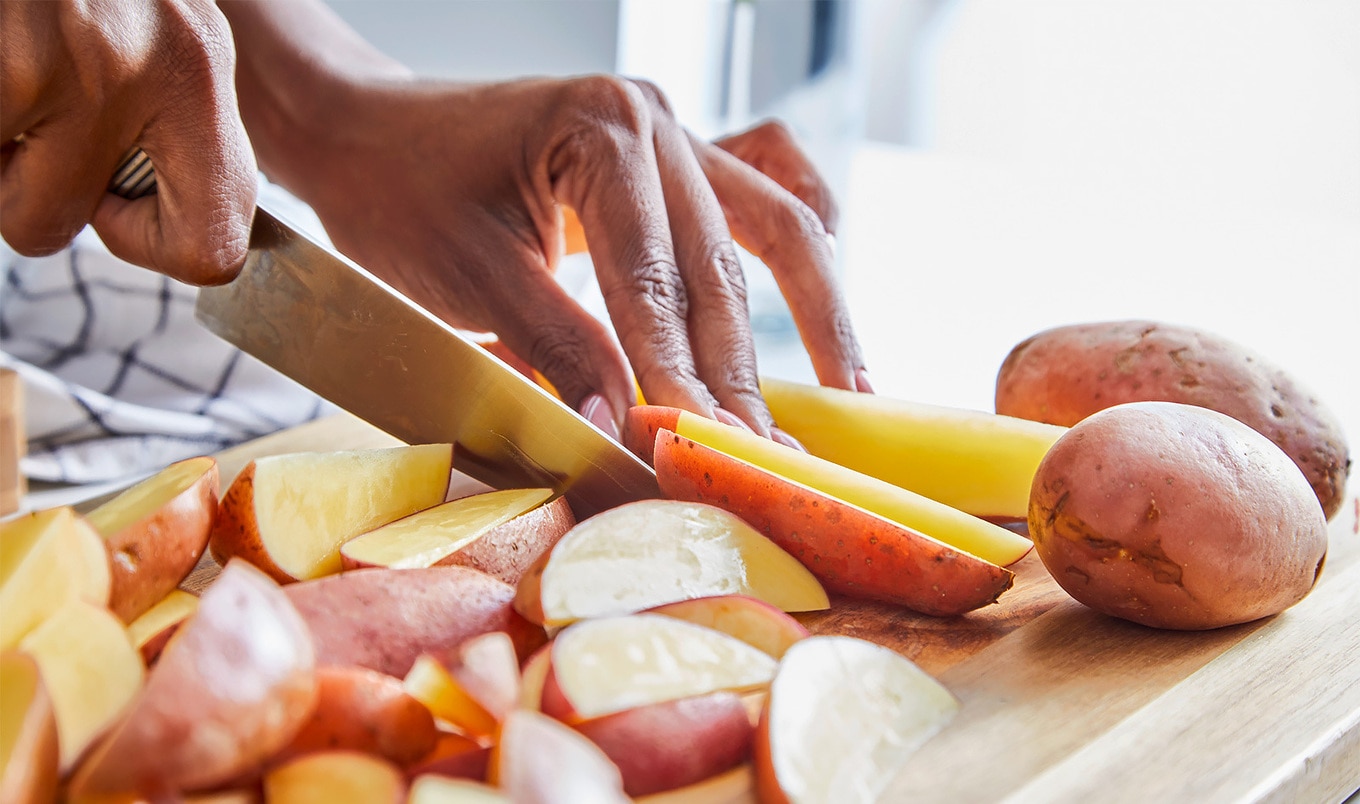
559	351
655	287
34	232
653	95
613	101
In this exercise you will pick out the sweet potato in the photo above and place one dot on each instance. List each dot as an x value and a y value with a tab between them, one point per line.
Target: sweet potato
641	423
850	550
1063	375
363	710
1176	516
383	619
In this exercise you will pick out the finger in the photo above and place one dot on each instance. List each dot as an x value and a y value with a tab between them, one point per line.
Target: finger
771	148
53	181
789	237
605	168
718	321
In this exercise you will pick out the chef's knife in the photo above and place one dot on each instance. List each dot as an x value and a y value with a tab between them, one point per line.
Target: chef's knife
322	320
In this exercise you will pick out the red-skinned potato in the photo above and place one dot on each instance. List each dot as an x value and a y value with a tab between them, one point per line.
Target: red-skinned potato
1176	516
736	786
434	789
28	733
289	514
362	710
383	619
156	532
641	423
509	550
453	755
754	622
233	686
676	743
541	761
850	550
1063	375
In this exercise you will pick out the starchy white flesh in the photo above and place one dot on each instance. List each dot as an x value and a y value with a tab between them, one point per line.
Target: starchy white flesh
151	495
432	789
651	552
426	537
842	716
608	665
90	669
541	761
173	609
308	504
47	559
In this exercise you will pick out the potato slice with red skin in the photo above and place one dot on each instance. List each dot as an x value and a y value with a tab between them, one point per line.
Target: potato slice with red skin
430	683
152	630
754	622
541	761
488	668
509	550
641	423
289	514
383	619
28	733
47	559
363	710
676	743
234	686
850	550
532	677
156	531
737	786
335	777
433	789
453	755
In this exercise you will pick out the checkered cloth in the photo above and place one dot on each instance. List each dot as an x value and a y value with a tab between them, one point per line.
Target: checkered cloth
119	379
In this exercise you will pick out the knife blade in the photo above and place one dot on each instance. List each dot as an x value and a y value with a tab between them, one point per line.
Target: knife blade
341	332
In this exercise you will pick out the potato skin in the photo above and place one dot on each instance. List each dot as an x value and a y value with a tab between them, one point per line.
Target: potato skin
1175	516
1063	375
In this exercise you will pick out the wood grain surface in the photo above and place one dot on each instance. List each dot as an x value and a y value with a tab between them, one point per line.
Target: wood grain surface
1063	704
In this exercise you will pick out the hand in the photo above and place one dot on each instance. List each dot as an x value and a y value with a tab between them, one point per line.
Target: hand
80	84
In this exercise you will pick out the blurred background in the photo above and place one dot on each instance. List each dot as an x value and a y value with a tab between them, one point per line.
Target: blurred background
1006	165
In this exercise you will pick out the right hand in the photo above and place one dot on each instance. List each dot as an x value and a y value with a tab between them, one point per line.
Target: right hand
80	84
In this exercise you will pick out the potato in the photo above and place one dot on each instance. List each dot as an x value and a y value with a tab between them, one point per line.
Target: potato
1176	516
383	619
1063	375
850	550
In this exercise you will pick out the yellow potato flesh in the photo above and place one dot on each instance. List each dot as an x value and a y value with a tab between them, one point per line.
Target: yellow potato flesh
736	786
173	608
843	715
308	504
426	537
432	789
651	552
980	463
147	497
617	663
90	668
428	682
334	777
47	559
962	531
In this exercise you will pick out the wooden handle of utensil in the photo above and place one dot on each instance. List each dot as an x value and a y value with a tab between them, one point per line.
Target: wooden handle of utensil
12	442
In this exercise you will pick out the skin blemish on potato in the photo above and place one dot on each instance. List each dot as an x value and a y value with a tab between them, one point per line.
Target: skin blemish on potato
127	557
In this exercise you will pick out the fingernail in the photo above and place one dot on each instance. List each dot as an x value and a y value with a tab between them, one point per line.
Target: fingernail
786	439
728	417
862	383
597	411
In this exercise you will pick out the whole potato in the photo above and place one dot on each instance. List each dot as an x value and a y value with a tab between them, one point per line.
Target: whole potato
1175	516
1063	375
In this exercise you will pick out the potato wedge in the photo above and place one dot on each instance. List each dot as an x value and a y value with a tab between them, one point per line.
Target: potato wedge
754	622
289	514
152	630
28	733
541	761
156	531
48	559
335	777
851	550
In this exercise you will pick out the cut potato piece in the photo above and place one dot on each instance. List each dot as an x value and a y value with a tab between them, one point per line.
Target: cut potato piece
28	733
289	514
989	542
646	553
473	686
90	669
842	717
363	710
541	761
47	559
156	532
611	664
431	684
454	755
431	789
737	786
851	550
754	622
153	629
428	537
335	777
510	550
976	462
671	744
533	675
233	687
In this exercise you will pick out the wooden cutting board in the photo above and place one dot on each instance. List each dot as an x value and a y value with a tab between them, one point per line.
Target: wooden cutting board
1063	704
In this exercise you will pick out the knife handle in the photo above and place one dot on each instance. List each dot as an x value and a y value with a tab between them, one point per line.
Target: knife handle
135	177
